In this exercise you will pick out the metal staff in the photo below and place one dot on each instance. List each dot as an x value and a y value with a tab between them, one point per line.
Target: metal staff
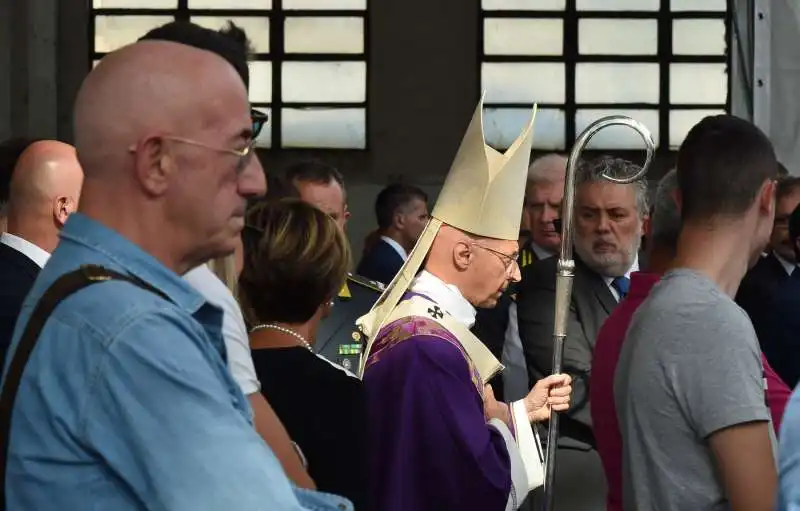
566	269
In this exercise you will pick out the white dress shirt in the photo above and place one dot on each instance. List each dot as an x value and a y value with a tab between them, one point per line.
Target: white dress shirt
34	252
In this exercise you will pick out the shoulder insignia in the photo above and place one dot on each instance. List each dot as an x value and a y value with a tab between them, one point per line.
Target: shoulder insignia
345	292
369	284
525	258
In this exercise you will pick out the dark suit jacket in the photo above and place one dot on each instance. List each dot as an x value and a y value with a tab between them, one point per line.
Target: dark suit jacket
757	292
591	303
491	324
338	338
17	274
380	263
781	331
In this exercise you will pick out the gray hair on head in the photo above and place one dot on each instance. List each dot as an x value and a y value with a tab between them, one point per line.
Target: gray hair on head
665	224
592	171
548	169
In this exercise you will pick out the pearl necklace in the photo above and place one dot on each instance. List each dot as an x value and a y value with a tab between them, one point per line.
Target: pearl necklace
285	331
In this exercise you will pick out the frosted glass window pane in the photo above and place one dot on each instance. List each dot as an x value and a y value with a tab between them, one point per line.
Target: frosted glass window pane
260	82
698	37
523	5
114	32
520	36
358	5
265	137
617	37
698	84
523	82
324	35
135	4
257	28
617	137
619	5
334	82
230	4
328	128
698	5
616	83
502	126
681	121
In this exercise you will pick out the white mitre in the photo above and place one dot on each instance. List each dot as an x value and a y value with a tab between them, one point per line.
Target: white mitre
483	195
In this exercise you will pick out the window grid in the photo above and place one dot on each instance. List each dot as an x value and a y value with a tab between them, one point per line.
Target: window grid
571	57
277	56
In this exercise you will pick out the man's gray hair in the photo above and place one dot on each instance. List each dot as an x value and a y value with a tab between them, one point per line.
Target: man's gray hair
548	169
592	171
665	224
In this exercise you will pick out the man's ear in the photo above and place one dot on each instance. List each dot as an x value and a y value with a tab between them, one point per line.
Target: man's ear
154	164
62	207
767	197
462	255
647	226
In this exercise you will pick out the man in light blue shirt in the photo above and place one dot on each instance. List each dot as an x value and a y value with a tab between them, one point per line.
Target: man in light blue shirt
127	403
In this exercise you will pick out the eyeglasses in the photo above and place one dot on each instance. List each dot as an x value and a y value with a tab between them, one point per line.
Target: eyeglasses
245	155
508	260
259	119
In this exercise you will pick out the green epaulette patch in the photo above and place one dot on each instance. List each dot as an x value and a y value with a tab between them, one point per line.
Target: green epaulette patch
369	284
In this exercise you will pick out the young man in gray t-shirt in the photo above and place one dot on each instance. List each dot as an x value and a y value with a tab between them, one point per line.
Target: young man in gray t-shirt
689	384
699	371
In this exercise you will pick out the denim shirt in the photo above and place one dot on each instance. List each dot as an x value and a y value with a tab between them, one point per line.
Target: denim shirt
127	403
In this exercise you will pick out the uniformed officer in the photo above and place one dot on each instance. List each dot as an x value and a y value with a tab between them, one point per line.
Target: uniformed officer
322	185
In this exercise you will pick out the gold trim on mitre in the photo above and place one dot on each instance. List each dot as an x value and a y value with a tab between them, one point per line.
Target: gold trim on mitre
483	195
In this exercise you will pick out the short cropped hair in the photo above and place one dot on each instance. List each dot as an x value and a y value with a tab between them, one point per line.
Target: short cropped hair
393	199
230	43
722	164
787	186
665	220
295	259
782	170
307	171
592	171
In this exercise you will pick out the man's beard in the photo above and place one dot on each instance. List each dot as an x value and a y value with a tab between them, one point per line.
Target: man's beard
609	265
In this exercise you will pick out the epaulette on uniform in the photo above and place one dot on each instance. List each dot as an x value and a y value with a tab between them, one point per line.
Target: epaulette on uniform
374	285
526	257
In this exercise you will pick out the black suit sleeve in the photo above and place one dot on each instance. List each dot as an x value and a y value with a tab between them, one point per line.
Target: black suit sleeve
536	316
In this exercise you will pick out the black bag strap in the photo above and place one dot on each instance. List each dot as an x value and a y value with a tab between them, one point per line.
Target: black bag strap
62	288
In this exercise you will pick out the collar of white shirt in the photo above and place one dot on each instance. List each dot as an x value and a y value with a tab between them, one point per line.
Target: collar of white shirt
33	252
446	296
396	246
608	280
789	267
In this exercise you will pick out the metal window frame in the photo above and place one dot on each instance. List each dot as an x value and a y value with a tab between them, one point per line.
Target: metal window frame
277	56
570	57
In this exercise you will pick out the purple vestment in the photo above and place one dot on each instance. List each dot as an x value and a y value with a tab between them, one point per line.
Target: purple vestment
431	448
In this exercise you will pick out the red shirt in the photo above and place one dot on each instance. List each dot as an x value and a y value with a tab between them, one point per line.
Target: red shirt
601	391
